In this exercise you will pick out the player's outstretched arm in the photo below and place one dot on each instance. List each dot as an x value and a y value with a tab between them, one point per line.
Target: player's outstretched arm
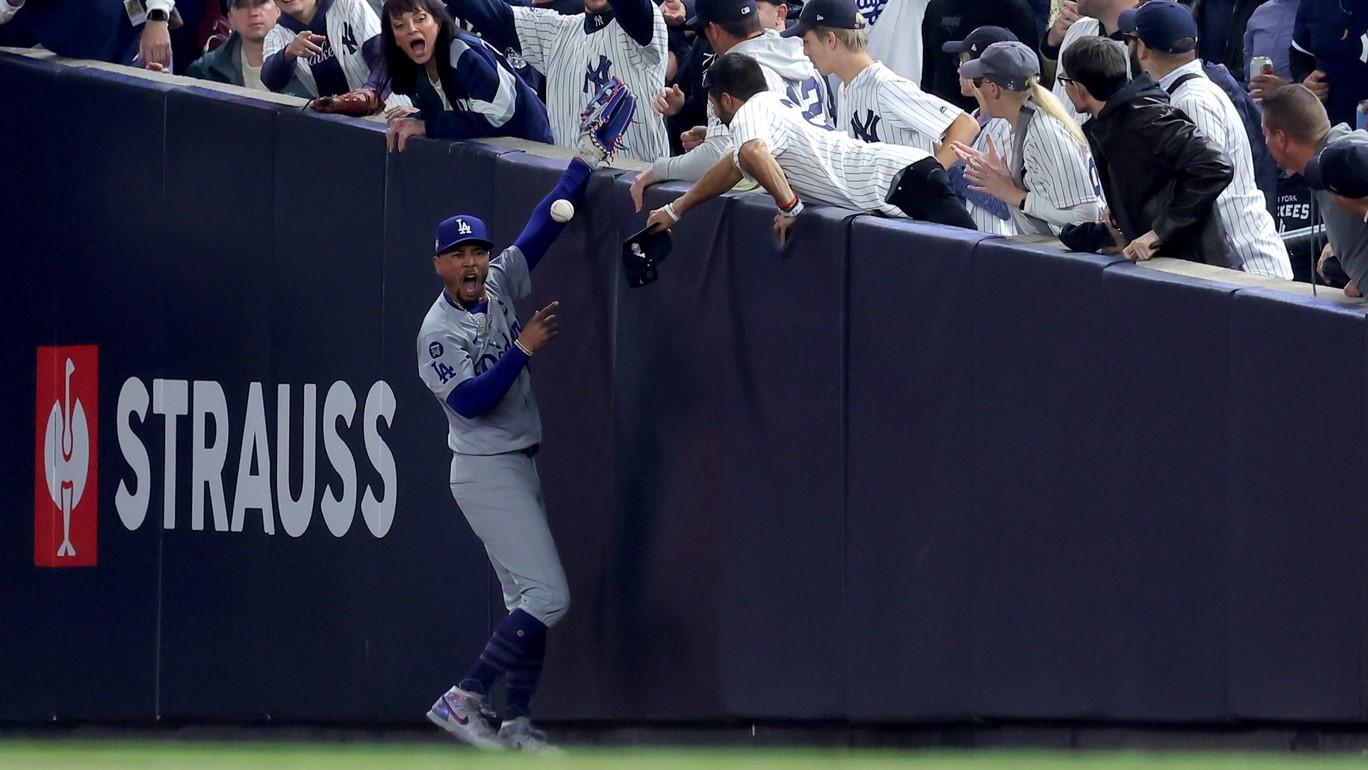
637	18
492	18
541	230
478	395
755	159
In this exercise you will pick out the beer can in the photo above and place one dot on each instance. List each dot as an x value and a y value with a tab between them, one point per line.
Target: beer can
1260	65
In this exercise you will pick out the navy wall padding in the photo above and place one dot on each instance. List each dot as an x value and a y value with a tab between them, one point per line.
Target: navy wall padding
1296	530
909	470
888	473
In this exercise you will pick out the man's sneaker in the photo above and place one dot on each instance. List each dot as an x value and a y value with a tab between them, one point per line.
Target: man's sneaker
458	712
519	734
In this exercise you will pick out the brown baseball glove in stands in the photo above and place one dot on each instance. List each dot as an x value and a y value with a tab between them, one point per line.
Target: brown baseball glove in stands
361	102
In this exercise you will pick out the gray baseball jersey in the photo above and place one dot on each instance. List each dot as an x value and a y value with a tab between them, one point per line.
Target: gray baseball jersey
822	165
1241	208
878	105
456	344
576	64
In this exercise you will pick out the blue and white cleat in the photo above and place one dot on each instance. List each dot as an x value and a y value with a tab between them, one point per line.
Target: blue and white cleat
458	712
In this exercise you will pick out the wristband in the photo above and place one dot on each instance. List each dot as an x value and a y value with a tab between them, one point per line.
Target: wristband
793	209
670	212
790	204
523	348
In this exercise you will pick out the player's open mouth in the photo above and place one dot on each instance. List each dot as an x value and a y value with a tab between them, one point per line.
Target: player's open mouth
469	280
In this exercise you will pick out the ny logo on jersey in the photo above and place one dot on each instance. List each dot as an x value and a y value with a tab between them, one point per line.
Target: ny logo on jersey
867	131
349	38
596	78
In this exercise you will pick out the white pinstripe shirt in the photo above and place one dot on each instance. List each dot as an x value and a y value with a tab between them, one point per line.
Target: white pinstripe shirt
879	105
349	24
1241	208
574	63
1084	27
821	165
1001	132
1058	174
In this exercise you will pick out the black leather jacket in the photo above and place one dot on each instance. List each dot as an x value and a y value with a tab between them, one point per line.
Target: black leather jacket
1159	173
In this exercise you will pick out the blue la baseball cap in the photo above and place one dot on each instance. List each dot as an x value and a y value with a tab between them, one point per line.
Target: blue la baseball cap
1341	168
977	41
719	11
837	14
1162	25
462	228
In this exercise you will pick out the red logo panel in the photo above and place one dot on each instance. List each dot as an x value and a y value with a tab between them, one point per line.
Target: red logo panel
66	453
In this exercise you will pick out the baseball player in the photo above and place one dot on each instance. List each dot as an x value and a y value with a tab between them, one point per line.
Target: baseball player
734	26
1086	18
990	214
1051	181
332	45
874	103
462	86
473	355
1165	42
579	53
789	157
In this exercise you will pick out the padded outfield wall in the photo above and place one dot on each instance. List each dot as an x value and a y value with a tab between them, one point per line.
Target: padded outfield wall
891	473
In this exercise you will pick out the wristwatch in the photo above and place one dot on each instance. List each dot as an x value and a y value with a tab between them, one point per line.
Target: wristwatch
158	15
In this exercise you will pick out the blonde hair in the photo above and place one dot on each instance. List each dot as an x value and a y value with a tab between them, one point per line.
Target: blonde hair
1049	105
853	40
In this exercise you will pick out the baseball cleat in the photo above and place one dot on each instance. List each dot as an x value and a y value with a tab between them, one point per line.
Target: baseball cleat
458	712
519	734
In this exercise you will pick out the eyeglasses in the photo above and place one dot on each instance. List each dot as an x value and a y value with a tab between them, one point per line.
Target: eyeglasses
1065	80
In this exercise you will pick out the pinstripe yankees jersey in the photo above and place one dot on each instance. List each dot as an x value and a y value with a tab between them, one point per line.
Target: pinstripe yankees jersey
1001	132
456	343
576	63
1056	172
878	105
352	48
822	165
1240	208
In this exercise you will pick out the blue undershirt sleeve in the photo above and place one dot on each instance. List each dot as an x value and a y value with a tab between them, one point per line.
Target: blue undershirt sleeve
479	394
541	230
492	18
636	19
275	71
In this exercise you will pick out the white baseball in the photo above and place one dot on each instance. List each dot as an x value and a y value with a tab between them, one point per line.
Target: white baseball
562	210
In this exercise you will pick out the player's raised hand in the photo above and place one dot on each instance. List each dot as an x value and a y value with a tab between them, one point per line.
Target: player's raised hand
669	101
305	45
543	328
693	137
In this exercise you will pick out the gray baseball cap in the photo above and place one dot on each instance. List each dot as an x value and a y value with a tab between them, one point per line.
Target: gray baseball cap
1009	64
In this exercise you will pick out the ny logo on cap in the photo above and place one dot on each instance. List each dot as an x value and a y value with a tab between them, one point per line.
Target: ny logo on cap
462	227
820	17
745	11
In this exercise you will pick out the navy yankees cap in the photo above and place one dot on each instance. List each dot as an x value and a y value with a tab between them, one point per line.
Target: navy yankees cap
1162	25
975	43
719	11
1010	65
837	14
1341	168
462	228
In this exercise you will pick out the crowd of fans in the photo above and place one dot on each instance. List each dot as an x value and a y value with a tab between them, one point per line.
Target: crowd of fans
1204	130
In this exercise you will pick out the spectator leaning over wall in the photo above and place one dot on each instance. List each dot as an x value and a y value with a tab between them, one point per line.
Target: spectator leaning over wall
1050	181
1298	131
1163	36
333	46
238	61
1342	170
873	103
1160	174
135	32
462	87
793	159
